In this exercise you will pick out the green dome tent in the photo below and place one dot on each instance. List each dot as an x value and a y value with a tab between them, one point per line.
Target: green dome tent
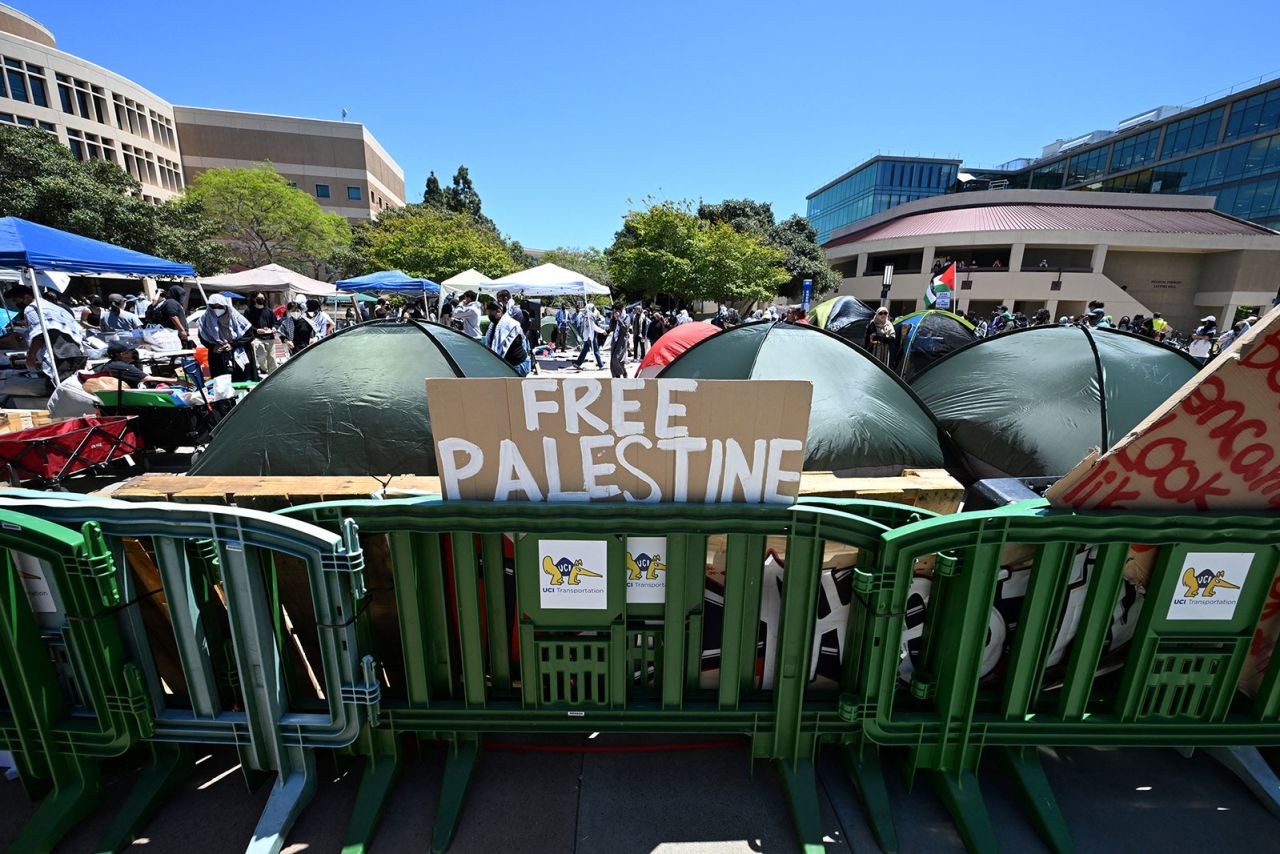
846	316
924	337
353	404
1031	403
571	339
863	420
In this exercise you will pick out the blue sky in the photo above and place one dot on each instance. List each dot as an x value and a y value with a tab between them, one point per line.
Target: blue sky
563	111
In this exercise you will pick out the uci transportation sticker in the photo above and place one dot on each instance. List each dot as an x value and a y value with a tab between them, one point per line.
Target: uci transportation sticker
1209	586
646	570
574	573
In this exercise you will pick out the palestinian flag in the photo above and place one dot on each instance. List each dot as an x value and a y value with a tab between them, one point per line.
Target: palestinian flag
943	283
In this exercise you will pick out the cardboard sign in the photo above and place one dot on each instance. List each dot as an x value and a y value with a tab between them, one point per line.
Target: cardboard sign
575	574
587	439
1214	445
1209	586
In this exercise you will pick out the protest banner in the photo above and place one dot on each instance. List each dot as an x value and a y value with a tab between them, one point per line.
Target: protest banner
588	439
1214	445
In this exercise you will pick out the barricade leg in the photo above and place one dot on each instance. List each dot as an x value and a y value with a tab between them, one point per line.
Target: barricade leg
1247	764
381	749
77	789
867	772
963	799
290	794
458	769
1024	766
168	764
801	783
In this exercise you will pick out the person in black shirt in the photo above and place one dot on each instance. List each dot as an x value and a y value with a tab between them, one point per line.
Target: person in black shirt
295	330
171	315
123	365
263	320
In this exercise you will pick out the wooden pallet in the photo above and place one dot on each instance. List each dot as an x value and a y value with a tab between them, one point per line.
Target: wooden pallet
13	420
929	489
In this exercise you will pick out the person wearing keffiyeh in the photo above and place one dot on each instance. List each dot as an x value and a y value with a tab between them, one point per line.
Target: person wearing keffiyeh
228	335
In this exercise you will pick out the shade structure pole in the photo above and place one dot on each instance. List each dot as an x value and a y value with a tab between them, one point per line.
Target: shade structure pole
203	295
44	328
440	306
355	304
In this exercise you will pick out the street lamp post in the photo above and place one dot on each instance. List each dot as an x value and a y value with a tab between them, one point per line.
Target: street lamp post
886	284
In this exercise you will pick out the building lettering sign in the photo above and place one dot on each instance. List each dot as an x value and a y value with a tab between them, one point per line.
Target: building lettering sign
641	440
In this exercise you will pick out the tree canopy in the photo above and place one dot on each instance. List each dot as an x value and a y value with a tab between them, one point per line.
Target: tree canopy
666	249
429	242
42	182
265	221
590	262
805	259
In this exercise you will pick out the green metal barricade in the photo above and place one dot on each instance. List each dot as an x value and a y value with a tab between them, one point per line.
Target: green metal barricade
243	675
1178	684
563	643
71	695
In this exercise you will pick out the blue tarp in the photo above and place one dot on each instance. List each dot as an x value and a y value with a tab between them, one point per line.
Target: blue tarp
26	244
388	281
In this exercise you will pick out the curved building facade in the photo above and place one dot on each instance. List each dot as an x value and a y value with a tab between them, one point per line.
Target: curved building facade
98	114
1058	249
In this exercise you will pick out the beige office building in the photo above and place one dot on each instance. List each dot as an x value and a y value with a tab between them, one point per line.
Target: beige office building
100	115
339	163
1058	249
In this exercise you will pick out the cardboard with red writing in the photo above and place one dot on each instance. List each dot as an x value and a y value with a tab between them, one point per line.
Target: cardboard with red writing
638	440
1213	446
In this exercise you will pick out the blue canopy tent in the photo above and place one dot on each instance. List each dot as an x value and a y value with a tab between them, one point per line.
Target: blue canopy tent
390	282
30	247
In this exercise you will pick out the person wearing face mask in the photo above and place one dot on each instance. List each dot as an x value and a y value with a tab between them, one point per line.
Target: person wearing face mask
320	322
295	330
263	320
229	338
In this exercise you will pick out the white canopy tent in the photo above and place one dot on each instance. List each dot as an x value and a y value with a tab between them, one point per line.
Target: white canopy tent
547	280
471	278
464	281
270	279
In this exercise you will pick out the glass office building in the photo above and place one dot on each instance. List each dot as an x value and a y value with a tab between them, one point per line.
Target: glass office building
1228	149
877	185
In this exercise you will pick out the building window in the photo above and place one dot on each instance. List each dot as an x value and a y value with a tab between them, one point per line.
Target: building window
1088	165
353	194
322	191
1192	134
1135	151
1048	177
1257	114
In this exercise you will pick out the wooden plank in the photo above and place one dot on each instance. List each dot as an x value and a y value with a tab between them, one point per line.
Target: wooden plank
929	489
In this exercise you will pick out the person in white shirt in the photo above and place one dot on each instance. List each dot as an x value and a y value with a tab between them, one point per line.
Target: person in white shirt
65	335
467	313
320	322
588	328
1202	339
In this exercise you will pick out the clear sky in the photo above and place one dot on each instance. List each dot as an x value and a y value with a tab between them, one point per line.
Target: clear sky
565	110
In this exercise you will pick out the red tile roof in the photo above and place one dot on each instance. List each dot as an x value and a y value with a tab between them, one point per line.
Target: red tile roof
1052	218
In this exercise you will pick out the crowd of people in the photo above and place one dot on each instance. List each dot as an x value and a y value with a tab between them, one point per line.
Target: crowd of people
247	344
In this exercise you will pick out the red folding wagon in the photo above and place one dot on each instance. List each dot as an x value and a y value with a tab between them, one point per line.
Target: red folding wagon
51	453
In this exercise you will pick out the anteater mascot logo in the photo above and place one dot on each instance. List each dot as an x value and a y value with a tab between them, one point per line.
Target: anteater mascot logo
1204	583
562	570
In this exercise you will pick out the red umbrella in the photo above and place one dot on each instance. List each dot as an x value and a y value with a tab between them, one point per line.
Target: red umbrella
672	343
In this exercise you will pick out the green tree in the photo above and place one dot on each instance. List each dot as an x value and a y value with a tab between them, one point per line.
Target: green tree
434	196
805	259
430	243
42	182
666	249
265	221
462	196
590	262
